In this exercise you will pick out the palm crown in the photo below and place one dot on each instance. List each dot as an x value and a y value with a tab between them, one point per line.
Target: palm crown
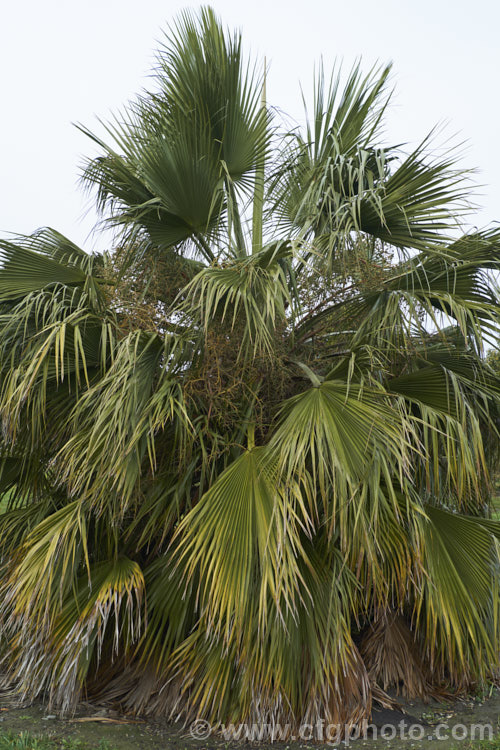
244	453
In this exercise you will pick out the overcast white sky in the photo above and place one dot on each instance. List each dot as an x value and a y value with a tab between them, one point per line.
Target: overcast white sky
72	60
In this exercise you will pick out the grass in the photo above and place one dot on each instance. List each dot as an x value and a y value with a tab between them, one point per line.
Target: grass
28	741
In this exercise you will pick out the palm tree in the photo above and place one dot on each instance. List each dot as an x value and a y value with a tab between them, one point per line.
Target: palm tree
242	459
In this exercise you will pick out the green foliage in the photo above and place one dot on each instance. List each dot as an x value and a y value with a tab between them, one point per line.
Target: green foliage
28	741
246	454
23	741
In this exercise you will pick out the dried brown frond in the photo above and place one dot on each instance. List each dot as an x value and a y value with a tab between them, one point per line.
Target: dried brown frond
392	657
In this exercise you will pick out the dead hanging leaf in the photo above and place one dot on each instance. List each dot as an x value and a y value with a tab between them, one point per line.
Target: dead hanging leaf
392	658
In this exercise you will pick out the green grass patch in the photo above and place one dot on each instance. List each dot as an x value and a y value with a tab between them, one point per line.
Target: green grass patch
28	741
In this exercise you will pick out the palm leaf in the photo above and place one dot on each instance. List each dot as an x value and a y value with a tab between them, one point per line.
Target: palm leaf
252	519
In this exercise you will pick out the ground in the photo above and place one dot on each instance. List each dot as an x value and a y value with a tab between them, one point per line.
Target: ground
34	728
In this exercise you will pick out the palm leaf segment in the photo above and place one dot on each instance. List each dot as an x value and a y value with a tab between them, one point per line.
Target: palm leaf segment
258	432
